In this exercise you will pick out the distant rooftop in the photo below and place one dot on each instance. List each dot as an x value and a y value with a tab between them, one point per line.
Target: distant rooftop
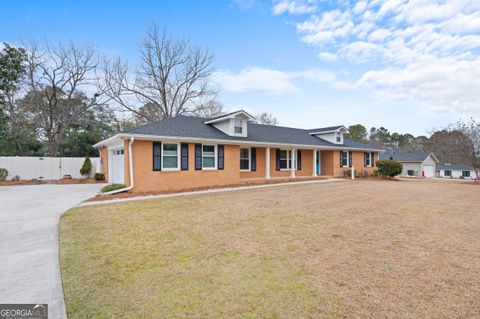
405	156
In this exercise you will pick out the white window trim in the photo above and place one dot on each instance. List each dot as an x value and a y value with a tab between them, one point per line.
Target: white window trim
370	156
338	137
348	159
215	156
289	159
235	126
178	157
249	159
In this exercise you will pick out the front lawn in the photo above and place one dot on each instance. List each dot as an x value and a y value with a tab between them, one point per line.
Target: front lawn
399	249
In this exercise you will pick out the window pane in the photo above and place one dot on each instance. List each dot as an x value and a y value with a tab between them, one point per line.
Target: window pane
238	130
209	162
283	155
283	164
244	153
244	164
170	162
208	150
170	149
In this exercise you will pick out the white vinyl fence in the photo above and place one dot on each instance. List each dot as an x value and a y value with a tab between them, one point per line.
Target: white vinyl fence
45	167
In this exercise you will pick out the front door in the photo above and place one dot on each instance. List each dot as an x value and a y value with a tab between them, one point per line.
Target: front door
318	162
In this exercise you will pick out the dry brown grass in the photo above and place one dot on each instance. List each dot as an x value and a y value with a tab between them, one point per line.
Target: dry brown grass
363	249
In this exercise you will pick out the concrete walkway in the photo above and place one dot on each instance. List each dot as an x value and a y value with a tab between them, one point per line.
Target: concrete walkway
29	265
209	191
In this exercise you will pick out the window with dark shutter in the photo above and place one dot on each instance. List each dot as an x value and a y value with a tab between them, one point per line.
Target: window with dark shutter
277	159
341	158
299	160
184	157
157	156
198	157
221	157
254	159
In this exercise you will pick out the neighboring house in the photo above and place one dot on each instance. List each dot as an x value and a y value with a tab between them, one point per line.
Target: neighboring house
448	170
414	163
188	152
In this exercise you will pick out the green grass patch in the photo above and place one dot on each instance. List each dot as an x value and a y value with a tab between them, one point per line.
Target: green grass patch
159	262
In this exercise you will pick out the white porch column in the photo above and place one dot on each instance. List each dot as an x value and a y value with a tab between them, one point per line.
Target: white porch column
292	161
267	163
314	170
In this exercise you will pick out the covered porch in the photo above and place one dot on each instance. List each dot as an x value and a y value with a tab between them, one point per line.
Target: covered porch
277	163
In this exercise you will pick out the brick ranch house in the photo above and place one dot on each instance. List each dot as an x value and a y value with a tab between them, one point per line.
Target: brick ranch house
189	152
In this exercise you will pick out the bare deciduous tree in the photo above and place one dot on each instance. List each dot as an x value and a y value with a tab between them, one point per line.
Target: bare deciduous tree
470	146
171	80
266	118
56	76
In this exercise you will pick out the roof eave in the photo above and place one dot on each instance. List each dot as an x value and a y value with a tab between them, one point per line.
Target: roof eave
434	157
241	142
230	116
107	141
345	130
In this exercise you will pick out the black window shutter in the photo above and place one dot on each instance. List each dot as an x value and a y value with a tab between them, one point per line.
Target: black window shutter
365	155
277	159
299	160
184	156
350	153
373	159
198	157
157	156
221	156
341	158
253	165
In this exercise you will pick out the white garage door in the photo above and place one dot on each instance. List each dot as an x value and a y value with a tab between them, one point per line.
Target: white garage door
117	166
429	171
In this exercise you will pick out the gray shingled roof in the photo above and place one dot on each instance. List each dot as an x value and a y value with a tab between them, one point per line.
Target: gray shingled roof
406	156
462	167
189	126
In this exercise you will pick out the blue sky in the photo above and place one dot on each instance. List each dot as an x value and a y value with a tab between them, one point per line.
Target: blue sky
405	66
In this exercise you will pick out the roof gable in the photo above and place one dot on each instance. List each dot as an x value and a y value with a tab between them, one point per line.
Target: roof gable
329	129
230	115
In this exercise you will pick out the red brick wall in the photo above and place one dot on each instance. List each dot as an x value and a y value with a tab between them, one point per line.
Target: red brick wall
146	179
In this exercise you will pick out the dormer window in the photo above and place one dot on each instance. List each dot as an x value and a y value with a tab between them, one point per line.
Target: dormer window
238	129
332	134
232	124
338	137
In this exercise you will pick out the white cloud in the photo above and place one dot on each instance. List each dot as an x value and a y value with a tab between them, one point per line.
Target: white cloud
378	35
327	56
445	84
255	79
273	81
426	51
294	7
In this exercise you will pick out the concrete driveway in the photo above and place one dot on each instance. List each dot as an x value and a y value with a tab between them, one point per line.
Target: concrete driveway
29	265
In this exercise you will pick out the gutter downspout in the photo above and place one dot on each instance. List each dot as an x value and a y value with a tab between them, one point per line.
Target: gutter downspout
130	165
